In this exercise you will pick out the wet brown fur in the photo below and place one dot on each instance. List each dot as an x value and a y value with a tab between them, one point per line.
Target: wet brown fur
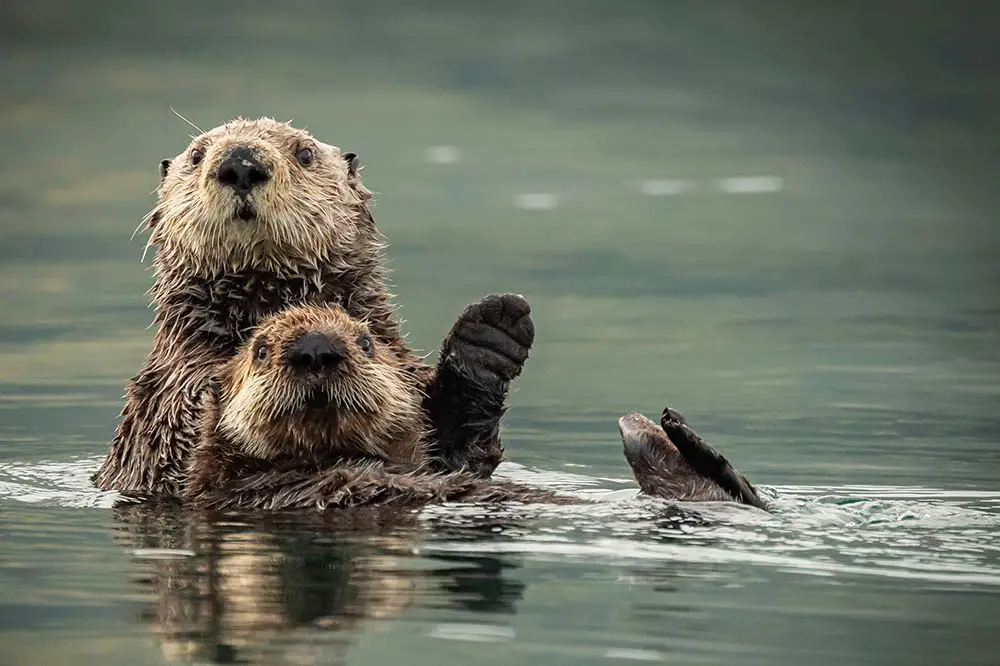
312	241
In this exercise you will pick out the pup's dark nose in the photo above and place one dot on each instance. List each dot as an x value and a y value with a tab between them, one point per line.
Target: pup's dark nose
316	352
242	171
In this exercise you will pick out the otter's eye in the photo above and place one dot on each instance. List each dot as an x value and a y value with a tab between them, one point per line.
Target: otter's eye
261	352
196	157
304	156
366	344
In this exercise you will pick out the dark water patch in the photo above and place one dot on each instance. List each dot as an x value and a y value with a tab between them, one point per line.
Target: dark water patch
609	272
93	327
50	389
64	247
53	616
612	273
643	45
21	334
971	321
13	203
475	583
871	424
79	420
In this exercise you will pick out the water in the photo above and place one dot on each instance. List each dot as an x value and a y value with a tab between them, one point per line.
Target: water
779	220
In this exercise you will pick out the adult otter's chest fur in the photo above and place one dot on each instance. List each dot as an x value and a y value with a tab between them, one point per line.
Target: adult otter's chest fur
225	309
253	217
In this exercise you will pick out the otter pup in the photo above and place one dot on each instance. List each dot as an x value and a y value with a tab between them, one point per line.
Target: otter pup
254	216
316	412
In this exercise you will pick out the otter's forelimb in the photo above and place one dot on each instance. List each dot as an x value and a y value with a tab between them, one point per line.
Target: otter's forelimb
485	350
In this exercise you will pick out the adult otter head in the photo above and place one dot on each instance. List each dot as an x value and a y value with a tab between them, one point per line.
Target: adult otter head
670	460
261	195
313	382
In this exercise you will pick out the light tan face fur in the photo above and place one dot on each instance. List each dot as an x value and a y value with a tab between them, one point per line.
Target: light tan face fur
303	212
372	406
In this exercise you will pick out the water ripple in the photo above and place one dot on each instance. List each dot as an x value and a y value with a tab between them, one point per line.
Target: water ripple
928	534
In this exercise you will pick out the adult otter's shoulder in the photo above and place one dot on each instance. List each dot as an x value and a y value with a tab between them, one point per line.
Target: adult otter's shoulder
255	216
314	412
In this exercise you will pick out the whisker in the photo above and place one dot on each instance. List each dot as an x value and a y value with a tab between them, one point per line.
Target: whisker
200	130
145	249
143	222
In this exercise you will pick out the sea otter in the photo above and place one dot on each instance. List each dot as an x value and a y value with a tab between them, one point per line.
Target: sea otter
315	411
254	216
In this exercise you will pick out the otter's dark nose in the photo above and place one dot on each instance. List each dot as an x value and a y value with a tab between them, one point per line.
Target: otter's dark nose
316	352
242	171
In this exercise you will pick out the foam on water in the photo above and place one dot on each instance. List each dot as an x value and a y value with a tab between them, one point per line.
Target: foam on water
62	483
932	535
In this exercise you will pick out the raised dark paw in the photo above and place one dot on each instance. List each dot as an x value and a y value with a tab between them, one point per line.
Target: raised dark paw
671	417
491	337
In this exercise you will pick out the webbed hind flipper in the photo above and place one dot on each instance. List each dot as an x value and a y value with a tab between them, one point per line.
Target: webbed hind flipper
705	460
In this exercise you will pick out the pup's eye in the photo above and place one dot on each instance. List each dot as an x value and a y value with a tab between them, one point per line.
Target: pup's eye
366	344
261	352
304	156
196	157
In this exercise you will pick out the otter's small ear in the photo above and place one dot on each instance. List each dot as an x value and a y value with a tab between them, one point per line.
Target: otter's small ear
164	167
353	163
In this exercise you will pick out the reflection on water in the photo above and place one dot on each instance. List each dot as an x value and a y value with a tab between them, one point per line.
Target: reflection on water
242	593
777	217
310	589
